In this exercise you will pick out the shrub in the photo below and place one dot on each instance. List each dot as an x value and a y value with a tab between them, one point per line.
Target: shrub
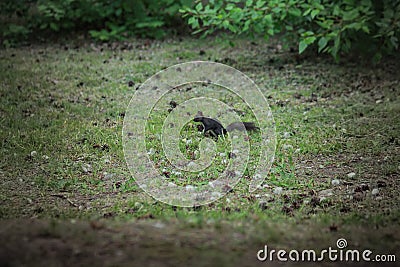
103	19
368	26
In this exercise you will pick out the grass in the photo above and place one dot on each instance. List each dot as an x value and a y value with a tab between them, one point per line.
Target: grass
62	108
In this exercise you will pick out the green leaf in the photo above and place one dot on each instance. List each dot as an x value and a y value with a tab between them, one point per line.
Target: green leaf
336	10
230	6
246	25
249	3
307	33
276	10
307	12
225	24
351	15
268	19
394	41
295	12
118	12
260	4
184	10
194	22
322	42
54	26
232	28
365	29
314	13
302	46
199	7
199	31
310	40
150	24
326	24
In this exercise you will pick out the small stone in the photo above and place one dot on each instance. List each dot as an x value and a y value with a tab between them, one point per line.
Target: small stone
375	191
45	157
351	174
325	193
159	225
119	253
238	173
216	195
278	190
287	147
86	168
33	153
286	135
108	176
335	182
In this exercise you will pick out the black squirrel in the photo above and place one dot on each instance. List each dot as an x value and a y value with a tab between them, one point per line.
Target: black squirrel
216	128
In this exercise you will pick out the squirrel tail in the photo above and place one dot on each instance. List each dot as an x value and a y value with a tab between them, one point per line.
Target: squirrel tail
241	126
250	126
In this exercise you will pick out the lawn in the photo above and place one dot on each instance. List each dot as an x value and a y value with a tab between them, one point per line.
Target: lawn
68	198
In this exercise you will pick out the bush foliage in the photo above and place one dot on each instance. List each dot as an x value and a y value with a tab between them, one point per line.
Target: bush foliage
103	19
369	26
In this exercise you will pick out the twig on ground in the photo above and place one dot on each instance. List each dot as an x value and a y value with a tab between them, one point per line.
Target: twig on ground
66	198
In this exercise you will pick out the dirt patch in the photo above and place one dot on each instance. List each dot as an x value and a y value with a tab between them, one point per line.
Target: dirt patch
63	243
